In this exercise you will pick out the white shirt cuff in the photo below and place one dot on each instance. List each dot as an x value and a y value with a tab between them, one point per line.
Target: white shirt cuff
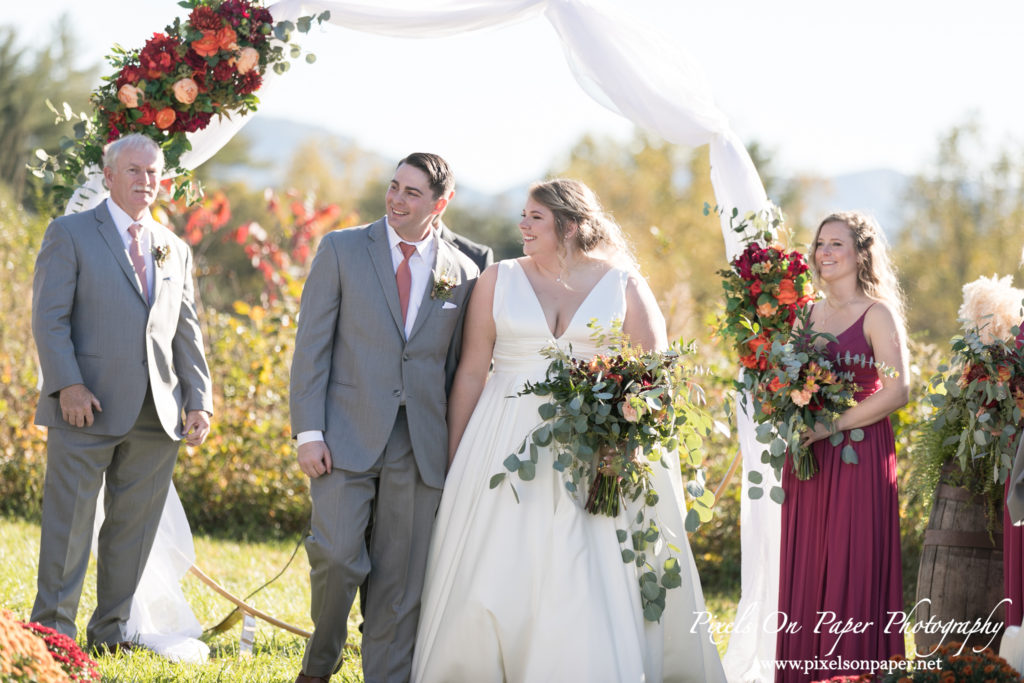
307	437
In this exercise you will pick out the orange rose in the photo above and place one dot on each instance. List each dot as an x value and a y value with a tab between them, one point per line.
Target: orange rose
248	58
759	344
165	118
787	292
226	38
129	95
185	90
749	361
629	413
801	398
208	45
767	309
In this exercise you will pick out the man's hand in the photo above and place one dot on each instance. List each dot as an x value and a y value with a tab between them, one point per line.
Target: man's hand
197	427
314	459
77	404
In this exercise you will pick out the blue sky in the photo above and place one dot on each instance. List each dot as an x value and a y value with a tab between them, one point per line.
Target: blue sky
831	87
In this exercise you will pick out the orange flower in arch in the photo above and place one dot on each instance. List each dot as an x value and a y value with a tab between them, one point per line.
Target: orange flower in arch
208	45
165	118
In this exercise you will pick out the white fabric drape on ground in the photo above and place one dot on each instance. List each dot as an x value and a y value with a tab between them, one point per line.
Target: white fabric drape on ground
161	618
628	64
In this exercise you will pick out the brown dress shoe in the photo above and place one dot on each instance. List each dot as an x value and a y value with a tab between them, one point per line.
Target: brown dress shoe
303	678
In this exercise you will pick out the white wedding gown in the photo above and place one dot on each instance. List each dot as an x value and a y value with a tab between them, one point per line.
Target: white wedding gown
537	590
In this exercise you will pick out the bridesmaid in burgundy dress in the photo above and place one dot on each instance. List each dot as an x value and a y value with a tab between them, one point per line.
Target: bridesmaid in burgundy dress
1013	548
840	575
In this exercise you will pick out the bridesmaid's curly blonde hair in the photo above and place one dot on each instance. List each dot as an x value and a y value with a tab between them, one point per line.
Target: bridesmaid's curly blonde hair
573	203
876	275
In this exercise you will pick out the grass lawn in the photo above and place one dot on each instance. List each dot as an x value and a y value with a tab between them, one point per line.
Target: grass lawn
239	567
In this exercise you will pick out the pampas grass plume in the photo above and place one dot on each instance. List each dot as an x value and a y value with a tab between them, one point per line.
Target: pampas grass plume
992	305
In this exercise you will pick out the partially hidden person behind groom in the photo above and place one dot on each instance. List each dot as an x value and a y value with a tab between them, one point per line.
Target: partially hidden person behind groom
379	333
122	360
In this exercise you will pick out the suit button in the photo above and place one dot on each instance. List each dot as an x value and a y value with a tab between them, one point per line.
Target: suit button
396	393
405	356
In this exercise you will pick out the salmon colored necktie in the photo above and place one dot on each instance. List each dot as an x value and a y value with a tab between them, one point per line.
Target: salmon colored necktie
138	260
403	276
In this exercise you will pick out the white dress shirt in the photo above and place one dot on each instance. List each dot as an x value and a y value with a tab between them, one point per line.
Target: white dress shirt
123	221
420	264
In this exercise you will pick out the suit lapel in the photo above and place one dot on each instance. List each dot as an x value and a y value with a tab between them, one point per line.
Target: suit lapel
380	256
444	264
107	229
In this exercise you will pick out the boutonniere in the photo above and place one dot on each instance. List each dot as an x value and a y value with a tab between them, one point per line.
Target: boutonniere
160	254
443	285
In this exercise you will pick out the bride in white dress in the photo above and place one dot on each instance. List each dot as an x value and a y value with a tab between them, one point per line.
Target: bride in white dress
536	590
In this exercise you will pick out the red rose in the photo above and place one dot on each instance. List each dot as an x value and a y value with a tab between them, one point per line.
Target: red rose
755	288
148	115
159	56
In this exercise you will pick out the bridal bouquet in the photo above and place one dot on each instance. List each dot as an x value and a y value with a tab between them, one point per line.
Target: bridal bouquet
209	65
979	396
608	421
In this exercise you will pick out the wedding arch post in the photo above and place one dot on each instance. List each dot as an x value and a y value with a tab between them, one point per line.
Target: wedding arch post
632	68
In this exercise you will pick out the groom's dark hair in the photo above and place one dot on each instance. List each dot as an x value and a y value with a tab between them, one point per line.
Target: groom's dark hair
442	182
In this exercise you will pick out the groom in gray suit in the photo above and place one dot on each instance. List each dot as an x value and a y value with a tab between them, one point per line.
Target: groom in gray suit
379	332
122	359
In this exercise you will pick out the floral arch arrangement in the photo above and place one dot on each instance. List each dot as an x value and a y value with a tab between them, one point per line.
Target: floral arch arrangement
210	65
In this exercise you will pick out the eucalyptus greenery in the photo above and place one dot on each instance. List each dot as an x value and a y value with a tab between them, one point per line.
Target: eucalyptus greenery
978	399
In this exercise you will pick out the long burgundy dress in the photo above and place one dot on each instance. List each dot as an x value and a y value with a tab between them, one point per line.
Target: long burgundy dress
1013	553
840	553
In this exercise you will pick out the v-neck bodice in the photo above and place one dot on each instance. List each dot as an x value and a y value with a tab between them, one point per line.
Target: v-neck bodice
522	328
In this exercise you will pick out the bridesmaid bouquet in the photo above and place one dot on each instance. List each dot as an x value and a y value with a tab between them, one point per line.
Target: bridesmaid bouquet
979	396
608	421
209	65
790	380
799	386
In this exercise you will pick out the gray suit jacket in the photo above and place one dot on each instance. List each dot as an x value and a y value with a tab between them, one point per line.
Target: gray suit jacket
93	326
353	366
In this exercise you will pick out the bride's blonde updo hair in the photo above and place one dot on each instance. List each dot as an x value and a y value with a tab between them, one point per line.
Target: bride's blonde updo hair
876	275
573	203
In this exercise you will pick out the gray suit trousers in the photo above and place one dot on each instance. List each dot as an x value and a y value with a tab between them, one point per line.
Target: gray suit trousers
137	468
393	563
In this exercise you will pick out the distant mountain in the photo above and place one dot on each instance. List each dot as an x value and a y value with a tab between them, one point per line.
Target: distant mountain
273	142
879	192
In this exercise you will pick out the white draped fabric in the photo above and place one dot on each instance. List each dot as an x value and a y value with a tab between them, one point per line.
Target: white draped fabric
629	65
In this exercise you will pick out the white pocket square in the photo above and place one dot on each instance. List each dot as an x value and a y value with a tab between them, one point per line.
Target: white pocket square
447	305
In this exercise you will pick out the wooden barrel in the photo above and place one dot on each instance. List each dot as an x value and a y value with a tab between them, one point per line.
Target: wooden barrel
961	570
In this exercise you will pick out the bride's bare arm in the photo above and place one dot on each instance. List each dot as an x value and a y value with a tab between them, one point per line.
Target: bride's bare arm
644	322
474	364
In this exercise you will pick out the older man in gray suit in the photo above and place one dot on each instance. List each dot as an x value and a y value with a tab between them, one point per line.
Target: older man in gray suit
378	338
122	359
